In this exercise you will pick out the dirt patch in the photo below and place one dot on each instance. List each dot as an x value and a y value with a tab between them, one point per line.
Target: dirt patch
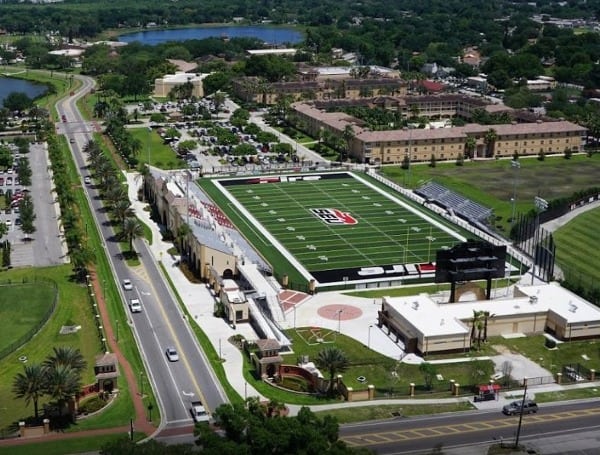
501	349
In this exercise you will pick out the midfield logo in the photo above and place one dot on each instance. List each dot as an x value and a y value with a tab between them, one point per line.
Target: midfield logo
334	216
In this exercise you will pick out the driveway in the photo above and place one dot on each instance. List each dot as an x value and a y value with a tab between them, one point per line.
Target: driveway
521	366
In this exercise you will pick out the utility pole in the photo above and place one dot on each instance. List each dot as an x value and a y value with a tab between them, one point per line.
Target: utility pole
521	413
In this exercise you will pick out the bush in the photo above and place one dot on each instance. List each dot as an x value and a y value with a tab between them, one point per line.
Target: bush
550	344
92	404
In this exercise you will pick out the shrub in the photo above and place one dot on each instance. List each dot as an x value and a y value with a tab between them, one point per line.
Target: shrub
550	344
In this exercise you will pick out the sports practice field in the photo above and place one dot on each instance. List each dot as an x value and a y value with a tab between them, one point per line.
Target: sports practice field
335	222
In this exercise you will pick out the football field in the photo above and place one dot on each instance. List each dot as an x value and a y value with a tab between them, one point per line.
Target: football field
336	225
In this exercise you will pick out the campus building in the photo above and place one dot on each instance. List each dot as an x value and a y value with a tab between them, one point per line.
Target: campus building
317	87
163	85
475	140
206	253
427	325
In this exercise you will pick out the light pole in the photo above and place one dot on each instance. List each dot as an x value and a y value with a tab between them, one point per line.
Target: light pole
339	313
294	315
117	323
514	164
148	143
142	384
369	337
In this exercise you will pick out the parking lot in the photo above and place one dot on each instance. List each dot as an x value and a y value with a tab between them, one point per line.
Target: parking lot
44	247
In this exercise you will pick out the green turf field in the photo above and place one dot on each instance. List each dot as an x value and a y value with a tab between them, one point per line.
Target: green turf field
22	308
385	232
574	242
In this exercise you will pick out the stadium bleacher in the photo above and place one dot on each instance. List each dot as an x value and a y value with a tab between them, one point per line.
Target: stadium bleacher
460	205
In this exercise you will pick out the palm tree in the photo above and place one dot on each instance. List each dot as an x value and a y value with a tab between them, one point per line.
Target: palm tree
348	135
62	382
80	258
333	360
67	356
486	317
30	385
122	210
132	229
476	322
470	145
490	139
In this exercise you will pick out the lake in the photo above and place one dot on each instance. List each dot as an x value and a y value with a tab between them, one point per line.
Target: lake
9	85
271	35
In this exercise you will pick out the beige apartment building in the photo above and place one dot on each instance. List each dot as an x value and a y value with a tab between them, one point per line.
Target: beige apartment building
478	141
252	89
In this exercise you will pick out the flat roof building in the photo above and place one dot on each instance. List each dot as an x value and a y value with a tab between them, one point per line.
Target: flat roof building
427	326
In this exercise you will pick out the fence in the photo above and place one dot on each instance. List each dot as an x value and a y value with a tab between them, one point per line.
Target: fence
35	329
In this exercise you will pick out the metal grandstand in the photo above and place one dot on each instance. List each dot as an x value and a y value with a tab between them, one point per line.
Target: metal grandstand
460	205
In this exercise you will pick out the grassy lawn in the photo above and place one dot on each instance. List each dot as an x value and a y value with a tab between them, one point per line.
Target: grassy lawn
574	243
491	183
73	309
364	413
161	155
571	394
390	378
22	308
533	348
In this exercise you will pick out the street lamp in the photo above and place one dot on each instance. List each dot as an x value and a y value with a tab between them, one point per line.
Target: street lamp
369	337
294	307
142	384
514	164
339	314
117	322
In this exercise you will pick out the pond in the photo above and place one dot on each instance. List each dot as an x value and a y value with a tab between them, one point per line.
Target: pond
9	85
270	35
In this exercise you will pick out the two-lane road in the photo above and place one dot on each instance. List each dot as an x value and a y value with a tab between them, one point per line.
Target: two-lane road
447	431
160	324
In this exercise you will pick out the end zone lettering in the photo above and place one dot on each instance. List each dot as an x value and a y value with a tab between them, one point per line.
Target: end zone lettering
334	216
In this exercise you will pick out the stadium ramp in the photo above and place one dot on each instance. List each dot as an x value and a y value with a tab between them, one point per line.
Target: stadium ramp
264	290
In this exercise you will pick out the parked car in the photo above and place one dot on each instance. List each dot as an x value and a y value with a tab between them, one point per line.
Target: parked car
515	407
135	306
87	180
127	284
172	354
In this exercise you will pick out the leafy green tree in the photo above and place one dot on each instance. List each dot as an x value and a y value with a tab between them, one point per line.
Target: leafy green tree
30	385
334	361
27	215
429	372
17	101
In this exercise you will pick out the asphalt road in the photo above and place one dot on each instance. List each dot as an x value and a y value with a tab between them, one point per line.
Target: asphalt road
453	432
161	323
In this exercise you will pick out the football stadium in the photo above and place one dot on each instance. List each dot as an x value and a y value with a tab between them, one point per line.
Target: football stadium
337	228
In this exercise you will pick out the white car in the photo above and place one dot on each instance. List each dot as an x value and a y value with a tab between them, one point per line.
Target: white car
172	354
127	284
135	306
87	180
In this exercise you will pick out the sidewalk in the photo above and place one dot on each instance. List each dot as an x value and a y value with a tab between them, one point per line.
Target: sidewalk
198	300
